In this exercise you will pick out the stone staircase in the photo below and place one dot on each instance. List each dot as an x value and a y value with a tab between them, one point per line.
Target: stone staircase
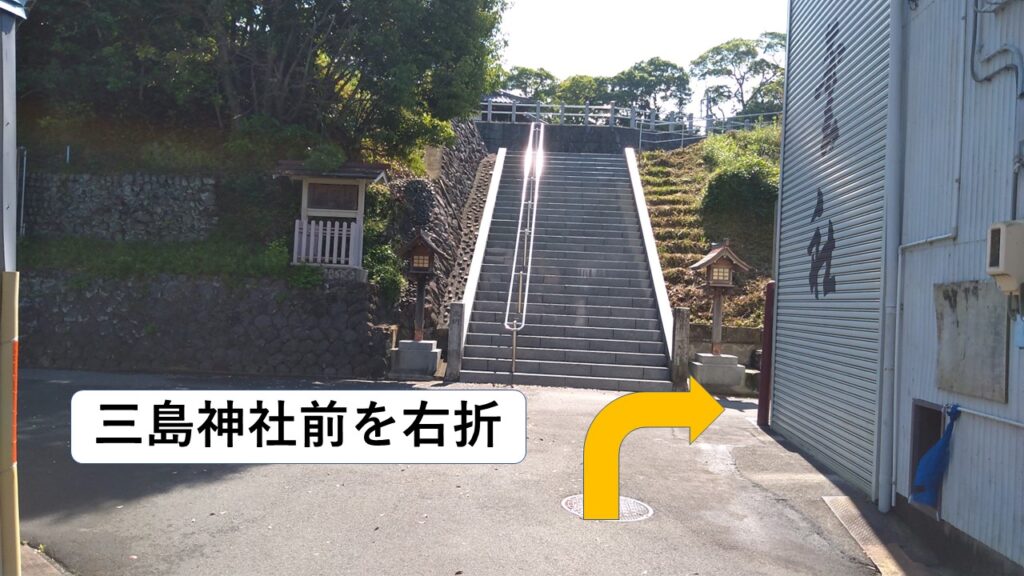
592	319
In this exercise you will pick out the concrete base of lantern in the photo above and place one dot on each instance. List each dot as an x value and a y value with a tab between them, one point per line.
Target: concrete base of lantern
719	374
414	360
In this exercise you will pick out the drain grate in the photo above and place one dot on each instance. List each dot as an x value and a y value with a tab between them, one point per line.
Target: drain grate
630	510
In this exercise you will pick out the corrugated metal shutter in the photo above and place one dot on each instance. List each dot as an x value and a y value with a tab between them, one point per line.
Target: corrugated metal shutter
831	232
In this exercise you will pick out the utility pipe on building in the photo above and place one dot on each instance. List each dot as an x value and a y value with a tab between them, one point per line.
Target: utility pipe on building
895	147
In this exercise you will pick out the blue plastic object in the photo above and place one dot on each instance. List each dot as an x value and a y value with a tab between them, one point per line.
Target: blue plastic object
932	467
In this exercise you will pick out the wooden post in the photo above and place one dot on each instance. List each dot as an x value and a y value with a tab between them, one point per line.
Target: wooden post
586	114
561	114
10	530
681	348
514	113
456	315
355	258
421	293
611	115
764	388
632	118
490	111
716	323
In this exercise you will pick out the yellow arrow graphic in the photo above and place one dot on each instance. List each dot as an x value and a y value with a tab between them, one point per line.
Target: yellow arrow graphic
695	410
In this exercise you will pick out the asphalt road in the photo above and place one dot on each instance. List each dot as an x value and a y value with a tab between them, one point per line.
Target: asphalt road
736	502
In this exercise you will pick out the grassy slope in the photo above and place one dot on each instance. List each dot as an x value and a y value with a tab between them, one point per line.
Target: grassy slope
674	183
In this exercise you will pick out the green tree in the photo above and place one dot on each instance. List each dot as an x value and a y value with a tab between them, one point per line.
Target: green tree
118	58
752	67
533	83
768	99
650	85
581	89
380	73
715	97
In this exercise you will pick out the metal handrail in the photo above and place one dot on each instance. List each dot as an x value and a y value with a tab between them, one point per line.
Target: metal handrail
533	162
519	282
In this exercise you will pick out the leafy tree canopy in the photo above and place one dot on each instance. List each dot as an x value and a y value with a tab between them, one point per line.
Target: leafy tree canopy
654	84
651	85
533	83
383	73
750	69
582	89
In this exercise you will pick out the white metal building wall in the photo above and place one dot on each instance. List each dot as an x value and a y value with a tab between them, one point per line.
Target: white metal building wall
831	233
959	133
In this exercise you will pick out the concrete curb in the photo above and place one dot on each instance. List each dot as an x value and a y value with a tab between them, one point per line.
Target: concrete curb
35	563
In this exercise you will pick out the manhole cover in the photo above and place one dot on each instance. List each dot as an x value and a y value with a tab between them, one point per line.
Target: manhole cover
630	510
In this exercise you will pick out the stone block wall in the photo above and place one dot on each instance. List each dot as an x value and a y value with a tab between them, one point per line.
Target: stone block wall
737	341
120	207
175	323
560	138
436	207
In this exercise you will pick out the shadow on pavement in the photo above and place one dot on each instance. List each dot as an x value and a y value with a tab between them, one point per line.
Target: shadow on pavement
52	483
737	403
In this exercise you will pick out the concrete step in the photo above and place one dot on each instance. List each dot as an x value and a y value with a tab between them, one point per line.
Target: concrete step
577	289
632	248
602	208
505	230
567	343
556	165
570	332
572	264
584	168
581	196
536	317
549	206
568	227
527	379
558	355
514	174
593	370
535	308
578	242
574	159
548	187
568	275
501	279
572	299
563	195
610	220
505	254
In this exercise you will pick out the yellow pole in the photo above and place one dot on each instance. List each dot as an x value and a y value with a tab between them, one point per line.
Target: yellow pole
10	531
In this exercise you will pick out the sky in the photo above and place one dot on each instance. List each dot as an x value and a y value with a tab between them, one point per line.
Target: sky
600	38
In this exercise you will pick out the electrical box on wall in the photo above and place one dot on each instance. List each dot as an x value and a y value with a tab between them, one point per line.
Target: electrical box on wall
1006	255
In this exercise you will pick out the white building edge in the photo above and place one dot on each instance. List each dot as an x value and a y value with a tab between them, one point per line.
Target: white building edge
903	143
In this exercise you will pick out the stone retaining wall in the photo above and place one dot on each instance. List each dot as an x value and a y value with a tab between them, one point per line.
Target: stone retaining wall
559	138
436	207
175	323
120	207
739	342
